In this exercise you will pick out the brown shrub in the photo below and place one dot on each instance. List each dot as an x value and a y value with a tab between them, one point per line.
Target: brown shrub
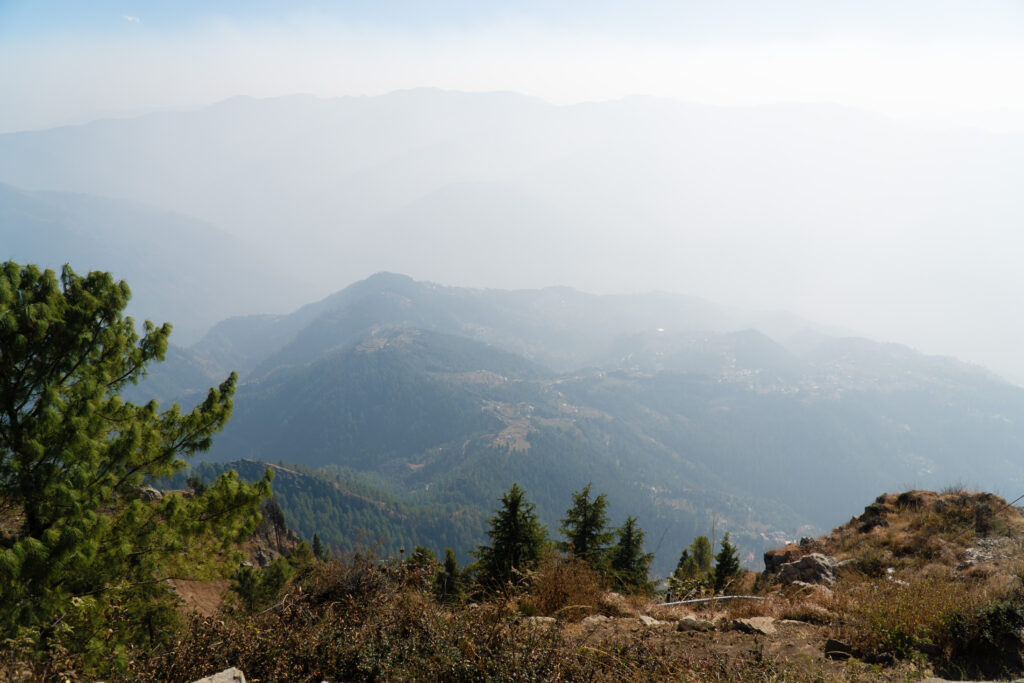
563	587
903	617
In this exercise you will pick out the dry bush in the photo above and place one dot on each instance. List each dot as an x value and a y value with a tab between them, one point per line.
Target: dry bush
338	628
934	614
563	587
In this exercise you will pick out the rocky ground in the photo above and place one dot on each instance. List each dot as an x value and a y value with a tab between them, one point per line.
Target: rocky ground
920	586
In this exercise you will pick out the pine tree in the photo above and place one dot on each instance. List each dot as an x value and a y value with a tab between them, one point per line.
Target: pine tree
584	528
92	541
695	561
629	563
727	565
449	581
517	539
319	552
693	571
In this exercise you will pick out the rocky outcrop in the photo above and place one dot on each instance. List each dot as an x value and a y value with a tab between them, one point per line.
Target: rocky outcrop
875	515
815	568
775	558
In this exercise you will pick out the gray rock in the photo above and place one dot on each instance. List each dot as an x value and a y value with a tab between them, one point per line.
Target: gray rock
651	621
814	568
231	675
760	625
540	621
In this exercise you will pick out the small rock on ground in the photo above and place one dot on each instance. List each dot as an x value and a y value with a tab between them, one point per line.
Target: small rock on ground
763	625
231	675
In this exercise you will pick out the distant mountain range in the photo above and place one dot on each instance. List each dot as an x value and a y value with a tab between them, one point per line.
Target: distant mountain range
682	415
812	208
180	270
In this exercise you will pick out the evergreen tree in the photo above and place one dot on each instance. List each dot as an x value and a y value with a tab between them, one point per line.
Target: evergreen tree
91	541
257	588
584	528
517	539
319	552
629	563
693	571
727	565
449	581
275	516
695	561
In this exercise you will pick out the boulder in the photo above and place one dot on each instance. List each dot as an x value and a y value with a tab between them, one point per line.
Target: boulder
539	621
814	568
231	675
651	621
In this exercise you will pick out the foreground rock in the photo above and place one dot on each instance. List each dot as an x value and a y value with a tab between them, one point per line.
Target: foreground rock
231	675
760	625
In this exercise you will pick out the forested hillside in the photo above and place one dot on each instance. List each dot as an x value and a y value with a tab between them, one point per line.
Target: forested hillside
349	512
429	391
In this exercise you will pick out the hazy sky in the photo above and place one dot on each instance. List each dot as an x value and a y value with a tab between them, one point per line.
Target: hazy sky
931	62
935	61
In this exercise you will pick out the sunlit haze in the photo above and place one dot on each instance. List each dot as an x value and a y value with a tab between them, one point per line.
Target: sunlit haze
855	163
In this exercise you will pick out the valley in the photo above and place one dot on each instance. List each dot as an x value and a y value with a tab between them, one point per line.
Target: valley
446	396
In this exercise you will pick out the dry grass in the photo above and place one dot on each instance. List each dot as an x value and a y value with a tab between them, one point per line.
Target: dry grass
935	576
344	625
563	587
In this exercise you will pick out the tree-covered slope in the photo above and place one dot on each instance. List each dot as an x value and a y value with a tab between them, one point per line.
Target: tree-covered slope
678	429
352	513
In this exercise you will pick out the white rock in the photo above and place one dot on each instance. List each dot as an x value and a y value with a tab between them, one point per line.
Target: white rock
231	675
